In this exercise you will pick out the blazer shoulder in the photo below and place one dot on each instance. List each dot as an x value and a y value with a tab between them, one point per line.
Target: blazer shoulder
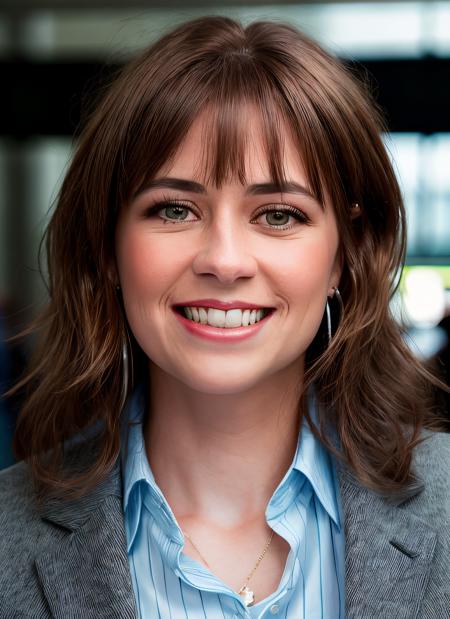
16	494
431	465
20	521
431	458
23	536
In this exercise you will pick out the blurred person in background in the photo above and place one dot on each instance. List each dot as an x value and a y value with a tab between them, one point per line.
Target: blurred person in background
222	418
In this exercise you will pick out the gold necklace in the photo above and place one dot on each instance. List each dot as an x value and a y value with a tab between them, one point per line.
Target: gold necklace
247	595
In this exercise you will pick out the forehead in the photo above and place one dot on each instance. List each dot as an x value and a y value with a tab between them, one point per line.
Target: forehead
197	155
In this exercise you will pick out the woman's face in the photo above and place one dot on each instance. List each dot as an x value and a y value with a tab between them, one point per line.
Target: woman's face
249	245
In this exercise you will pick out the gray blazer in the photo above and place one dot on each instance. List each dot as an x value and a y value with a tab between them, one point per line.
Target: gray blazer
69	560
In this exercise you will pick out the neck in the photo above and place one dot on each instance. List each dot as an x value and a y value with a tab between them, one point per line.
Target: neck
219	457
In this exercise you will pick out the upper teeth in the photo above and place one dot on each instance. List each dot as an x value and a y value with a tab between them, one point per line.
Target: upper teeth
220	318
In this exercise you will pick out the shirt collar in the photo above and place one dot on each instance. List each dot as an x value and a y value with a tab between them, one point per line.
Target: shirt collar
317	465
311	460
139	484
135	464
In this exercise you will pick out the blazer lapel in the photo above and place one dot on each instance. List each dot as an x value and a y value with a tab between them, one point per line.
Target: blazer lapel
87	573
389	552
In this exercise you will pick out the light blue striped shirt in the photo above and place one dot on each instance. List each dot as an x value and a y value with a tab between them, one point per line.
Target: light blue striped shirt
304	509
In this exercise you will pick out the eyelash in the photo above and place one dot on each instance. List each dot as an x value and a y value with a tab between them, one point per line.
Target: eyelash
165	203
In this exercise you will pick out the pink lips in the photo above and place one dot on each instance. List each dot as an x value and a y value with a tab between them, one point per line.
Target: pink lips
218	334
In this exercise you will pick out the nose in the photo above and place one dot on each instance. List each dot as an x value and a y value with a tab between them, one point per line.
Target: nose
225	253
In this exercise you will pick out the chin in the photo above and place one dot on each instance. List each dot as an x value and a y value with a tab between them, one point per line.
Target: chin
218	385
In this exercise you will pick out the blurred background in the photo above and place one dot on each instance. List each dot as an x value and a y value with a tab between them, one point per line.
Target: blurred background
56	54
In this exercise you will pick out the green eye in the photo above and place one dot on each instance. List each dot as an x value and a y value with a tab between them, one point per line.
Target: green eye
176	212
277	218
170	212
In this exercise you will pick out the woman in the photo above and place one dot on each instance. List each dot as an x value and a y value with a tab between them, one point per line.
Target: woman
222	256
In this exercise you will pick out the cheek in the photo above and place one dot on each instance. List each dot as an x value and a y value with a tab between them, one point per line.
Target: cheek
304	269
303	277
146	271
145	266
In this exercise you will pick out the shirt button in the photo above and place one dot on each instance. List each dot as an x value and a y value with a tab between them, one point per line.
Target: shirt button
274	609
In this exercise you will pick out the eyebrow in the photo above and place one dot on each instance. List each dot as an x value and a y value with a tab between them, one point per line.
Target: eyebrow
257	189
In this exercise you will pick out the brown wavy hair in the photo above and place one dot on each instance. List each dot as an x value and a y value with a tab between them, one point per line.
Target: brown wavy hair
369	386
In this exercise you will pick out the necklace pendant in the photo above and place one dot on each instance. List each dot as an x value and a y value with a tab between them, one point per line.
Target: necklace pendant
247	595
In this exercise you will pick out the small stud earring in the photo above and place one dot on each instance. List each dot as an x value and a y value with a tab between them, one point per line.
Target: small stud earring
355	210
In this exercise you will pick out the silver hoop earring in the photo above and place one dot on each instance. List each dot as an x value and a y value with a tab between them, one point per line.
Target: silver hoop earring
125	374
338	297
327	309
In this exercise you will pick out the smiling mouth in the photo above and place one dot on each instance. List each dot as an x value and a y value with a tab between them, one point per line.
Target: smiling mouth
230	319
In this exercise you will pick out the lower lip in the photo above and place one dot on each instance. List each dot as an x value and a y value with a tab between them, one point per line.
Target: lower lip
220	334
